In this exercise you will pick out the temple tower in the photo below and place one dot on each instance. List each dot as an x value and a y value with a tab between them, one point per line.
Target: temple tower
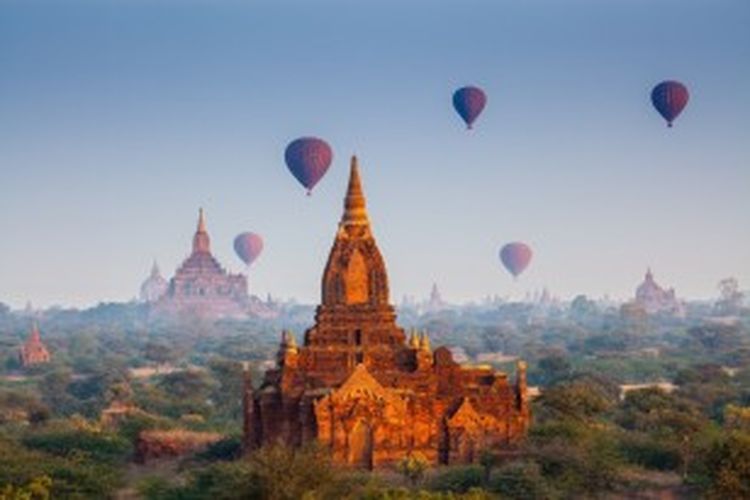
361	391
33	351
355	322
201	287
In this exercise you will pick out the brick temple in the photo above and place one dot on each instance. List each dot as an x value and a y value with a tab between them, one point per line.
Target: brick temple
359	387
33	351
201	287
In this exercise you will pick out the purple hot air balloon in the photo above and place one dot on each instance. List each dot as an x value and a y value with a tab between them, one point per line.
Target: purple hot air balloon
308	158
670	98
515	257
248	247
469	103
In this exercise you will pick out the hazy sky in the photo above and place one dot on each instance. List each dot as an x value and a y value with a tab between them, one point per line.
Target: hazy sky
118	119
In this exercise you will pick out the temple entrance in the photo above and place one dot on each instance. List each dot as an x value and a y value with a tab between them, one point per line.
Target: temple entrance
360	446
466	448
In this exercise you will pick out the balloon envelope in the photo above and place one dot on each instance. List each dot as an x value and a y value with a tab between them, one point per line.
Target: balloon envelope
248	247
670	98
308	158
515	257
469	103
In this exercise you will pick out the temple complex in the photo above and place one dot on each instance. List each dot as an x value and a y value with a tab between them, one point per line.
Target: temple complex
33	351
654	299
154	286
201	287
361	388
436	302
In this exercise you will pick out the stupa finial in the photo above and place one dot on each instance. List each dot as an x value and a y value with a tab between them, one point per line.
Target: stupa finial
201	241
201	221
355	212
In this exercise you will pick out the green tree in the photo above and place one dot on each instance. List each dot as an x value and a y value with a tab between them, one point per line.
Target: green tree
728	465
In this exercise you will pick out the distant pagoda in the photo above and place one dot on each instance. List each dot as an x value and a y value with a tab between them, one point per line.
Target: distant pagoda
654	299
33	351
154	287
436	303
201	287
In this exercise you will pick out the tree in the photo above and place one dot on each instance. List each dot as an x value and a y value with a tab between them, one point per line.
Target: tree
412	467
287	474
730	296
521	480
578	400
188	384
37	489
581	308
553	369
159	353
716	337
728	465
227	394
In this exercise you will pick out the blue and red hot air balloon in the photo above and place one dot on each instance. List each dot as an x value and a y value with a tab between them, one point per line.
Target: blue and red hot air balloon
469	103
670	98
516	257
248	247
308	158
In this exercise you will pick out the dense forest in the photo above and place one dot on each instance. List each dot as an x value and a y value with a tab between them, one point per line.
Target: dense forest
628	402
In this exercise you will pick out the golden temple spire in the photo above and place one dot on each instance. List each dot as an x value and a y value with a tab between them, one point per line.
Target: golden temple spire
413	339
355	212
424	341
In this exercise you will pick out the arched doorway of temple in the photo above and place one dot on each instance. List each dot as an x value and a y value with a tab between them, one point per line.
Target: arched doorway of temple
466	447
360	445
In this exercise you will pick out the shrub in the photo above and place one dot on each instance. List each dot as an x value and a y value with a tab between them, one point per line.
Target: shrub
459	479
100	447
520	480
650	452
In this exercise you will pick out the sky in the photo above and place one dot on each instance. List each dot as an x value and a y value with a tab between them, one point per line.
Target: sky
119	119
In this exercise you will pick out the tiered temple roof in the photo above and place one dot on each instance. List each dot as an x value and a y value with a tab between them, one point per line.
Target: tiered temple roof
201	287
34	351
155	285
655	299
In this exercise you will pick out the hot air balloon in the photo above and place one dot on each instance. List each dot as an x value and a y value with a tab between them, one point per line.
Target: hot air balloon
308	158
248	247
469	103
515	257
670	98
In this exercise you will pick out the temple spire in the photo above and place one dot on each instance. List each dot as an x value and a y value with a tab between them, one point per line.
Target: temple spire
355	212
201	241
201	221
35	337
155	269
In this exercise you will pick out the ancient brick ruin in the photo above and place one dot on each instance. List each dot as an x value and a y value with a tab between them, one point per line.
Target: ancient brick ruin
33	351
360	388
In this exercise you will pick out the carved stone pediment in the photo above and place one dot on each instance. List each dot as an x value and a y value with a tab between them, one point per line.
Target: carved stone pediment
466	417
361	384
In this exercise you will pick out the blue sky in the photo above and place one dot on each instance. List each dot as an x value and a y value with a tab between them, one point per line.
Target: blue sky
118	119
